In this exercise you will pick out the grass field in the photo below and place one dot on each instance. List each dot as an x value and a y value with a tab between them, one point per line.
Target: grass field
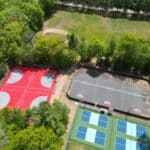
94	26
73	145
111	134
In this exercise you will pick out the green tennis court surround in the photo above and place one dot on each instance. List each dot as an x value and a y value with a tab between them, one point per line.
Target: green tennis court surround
104	132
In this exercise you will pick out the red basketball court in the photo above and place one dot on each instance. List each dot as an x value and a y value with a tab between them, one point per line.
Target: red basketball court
25	87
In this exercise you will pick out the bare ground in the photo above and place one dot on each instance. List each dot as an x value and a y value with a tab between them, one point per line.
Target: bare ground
54	30
62	84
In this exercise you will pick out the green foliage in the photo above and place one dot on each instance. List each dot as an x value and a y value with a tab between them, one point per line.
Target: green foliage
38	128
132	54
17	29
55	116
94	49
35	138
68	58
53	50
2	4
15	35
135	5
73	41
13	116
3	138
48	6
3	69
129	53
112	44
63	110
34	15
48	48
83	50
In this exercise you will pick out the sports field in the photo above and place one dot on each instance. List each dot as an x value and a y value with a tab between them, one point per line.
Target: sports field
94	26
116	92
100	131
26	87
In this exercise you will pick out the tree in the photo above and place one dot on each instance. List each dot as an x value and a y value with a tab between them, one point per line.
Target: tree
13	42
38	128
35	138
68	58
54	117
137	5
145	6
127	47
3	18
48	6
32	118
96	49
83	50
127	4
53	50
142	57
34	15
51	118
3	138
117	3
2	4
111	47
105	4
132	54
3	69
62	109
73	41
13	116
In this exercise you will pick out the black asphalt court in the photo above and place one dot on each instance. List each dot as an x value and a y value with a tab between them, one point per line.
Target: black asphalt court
114	92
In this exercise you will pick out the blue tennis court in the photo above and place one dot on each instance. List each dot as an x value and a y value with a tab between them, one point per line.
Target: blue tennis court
122	125
81	132
91	135
132	129
100	138
140	146
141	132
94	118
127	144
86	116
120	143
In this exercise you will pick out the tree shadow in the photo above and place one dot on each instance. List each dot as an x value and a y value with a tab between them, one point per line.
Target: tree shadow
144	141
94	73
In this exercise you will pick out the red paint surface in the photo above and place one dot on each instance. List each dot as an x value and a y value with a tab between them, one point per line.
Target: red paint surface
23	92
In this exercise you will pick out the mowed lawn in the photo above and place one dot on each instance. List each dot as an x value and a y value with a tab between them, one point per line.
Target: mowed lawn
72	145
94	26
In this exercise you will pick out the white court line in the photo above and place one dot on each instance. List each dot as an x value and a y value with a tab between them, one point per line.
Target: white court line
25	90
31	88
109	88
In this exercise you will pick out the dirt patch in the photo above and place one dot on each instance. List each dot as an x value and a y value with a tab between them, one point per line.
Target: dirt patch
55	31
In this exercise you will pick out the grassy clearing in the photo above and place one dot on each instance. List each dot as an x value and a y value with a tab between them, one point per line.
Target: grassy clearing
72	145
94	26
